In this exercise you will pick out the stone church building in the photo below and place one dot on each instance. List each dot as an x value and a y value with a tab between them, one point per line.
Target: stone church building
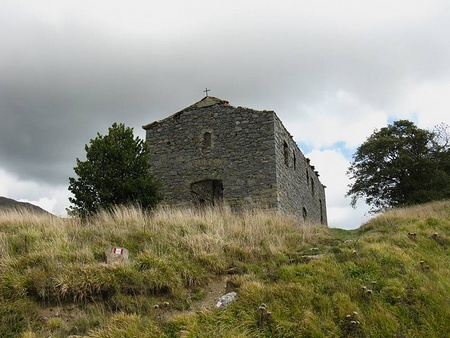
212	152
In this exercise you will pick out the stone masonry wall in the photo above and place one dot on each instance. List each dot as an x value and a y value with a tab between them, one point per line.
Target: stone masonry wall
247	152
234	145
300	191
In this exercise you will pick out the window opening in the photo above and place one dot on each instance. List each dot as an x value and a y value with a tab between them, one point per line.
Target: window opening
295	160
321	211
286	153
304	213
207	141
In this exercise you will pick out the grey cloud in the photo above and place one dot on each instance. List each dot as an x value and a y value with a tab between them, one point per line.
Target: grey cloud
60	86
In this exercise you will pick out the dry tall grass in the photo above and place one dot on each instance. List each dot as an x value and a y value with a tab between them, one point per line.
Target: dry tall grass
438	209
388	278
207	242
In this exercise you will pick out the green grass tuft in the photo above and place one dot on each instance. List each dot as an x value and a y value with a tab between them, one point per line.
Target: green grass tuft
389	278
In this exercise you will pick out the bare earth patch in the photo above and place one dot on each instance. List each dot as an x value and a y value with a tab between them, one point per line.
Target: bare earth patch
214	290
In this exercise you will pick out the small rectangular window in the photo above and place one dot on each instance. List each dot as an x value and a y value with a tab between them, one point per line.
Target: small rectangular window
286	153
206	142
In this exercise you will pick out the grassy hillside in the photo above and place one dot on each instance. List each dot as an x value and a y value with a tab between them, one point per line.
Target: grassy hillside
390	278
8	204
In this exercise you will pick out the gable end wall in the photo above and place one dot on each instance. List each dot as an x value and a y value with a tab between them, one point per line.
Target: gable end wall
241	155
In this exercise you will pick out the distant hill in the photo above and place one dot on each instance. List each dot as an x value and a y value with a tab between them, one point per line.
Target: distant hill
10	204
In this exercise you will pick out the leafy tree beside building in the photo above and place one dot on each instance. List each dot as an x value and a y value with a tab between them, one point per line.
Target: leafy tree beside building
115	172
401	165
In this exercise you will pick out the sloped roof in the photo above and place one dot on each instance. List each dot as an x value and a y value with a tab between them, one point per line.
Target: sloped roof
207	101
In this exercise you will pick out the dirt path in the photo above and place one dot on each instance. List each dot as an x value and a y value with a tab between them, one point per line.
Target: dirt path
66	314
215	289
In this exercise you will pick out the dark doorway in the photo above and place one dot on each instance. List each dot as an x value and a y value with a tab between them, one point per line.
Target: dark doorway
207	192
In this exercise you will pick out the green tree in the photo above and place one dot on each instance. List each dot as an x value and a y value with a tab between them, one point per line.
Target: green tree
401	165
116	171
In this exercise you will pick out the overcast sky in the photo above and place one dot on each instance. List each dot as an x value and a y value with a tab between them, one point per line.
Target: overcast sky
333	71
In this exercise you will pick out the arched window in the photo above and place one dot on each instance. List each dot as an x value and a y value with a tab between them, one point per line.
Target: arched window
207	141
304	213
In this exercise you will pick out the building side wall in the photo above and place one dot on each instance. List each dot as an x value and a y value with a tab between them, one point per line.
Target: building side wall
300	191
234	145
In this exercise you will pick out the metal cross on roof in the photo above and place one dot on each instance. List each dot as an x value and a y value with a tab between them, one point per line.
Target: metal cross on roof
206	91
